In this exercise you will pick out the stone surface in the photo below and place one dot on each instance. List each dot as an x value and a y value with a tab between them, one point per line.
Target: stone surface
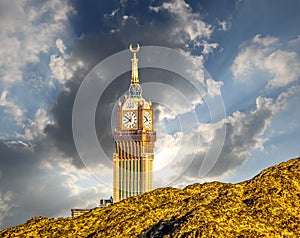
266	206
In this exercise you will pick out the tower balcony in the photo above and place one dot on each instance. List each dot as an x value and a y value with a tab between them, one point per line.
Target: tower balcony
135	135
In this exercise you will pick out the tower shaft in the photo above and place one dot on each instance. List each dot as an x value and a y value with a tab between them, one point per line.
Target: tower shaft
134	141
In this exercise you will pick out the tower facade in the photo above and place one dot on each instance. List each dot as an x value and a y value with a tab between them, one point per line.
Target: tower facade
134	140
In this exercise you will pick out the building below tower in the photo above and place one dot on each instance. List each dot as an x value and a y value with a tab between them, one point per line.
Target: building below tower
76	212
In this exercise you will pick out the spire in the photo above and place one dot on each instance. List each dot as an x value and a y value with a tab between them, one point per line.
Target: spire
134	62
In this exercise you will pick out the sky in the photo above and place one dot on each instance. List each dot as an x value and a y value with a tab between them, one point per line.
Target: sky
223	77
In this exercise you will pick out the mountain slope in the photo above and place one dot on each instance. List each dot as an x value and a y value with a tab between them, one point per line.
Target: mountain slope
266	206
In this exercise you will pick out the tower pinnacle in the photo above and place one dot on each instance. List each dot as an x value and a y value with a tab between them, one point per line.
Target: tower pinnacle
134	63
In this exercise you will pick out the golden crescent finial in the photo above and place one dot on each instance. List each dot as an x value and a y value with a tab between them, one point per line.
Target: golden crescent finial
134	50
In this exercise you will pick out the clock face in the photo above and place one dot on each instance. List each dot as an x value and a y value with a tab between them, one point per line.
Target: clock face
147	120
129	120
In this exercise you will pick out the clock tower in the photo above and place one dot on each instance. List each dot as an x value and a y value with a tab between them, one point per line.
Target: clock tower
134	140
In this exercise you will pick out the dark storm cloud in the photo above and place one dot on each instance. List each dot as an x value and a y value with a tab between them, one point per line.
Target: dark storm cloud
90	50
26	189
15	160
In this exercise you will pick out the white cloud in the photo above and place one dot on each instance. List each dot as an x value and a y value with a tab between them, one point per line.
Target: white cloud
15	144
208	47
196	69
63	65
5	204
224	25
60	46
294	42
166	149
247	61
11	108
245	133
113	13
214	87
37	126
265	41
59	64
58	67
164	112
189	24
65	168
197	73
282	66
25	34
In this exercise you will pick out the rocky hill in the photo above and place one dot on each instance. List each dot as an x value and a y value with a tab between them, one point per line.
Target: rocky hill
266	206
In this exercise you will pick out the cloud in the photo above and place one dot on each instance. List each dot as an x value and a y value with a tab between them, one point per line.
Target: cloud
41	181
190	25
11	108
5	204
60	46
265	41
59	66
205	46
27	35
37	126
33	128
294	42
245	133
225	25
214	87
282	66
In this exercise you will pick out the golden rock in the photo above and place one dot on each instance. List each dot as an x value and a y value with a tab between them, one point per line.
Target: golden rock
268	205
